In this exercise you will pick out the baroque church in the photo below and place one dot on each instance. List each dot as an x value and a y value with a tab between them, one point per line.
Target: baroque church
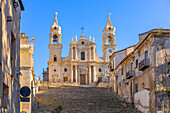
82	66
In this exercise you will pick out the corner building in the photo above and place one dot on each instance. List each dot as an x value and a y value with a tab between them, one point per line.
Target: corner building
82	66
10	16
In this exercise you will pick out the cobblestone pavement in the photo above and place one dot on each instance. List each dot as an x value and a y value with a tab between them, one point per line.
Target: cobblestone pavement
81	100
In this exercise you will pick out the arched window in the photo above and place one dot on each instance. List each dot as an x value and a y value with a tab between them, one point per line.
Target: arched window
55	39
82	56
55	58
109	39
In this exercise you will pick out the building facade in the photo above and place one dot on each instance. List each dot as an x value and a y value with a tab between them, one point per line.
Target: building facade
82	65
142	77
10	15
27	70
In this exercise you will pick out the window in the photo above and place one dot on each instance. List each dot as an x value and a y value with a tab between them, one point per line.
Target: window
110	68
122	70
5	97
54	70
136	63
108	78
82	42
65	70
82	56
110	28
74	53
92	56
136	88
109	39
55	27
55	58
146	54
100	70
119	84
55	39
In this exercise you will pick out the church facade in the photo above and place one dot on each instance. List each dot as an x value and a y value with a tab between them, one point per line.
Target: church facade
82	66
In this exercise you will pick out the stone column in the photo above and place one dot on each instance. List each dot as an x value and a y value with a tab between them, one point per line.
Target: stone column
86	78
89	74
94	69
90	53
76	73
76	52
72	53
114	40
71	73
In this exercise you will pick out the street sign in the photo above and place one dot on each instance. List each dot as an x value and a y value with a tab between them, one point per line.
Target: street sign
25	99
25	91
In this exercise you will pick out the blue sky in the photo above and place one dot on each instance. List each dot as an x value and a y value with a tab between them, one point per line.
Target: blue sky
129	17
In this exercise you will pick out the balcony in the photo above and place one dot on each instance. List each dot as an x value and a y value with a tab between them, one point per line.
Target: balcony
129	74
144	64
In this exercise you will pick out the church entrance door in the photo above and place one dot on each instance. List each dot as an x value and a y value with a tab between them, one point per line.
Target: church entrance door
82	79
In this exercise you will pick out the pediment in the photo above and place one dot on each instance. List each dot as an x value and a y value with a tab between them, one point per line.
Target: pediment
82	42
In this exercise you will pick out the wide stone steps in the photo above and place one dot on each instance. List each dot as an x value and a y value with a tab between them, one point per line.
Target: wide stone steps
81	100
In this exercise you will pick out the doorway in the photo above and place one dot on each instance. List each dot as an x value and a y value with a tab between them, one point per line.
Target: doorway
82	79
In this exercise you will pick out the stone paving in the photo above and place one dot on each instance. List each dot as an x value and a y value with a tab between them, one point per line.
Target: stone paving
81	100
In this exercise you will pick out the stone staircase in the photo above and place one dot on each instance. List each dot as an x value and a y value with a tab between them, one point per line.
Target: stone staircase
81	100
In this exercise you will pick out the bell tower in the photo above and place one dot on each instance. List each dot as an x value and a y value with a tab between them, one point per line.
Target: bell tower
55	45
109	39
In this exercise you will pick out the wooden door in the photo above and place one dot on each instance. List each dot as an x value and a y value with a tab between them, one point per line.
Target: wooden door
82	79
100	79
65	79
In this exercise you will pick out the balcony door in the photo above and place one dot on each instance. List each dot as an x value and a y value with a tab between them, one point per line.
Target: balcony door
146	55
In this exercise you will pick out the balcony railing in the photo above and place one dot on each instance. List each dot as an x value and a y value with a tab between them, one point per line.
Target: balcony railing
144	64
129	74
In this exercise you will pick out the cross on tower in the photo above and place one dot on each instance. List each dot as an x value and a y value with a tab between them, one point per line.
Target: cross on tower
109	15
82	28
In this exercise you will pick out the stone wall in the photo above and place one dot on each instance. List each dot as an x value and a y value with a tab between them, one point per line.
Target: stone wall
10	56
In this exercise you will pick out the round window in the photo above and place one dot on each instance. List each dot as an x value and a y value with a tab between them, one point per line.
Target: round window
110	28
65	70
100	70
55	28
82	42
54	70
